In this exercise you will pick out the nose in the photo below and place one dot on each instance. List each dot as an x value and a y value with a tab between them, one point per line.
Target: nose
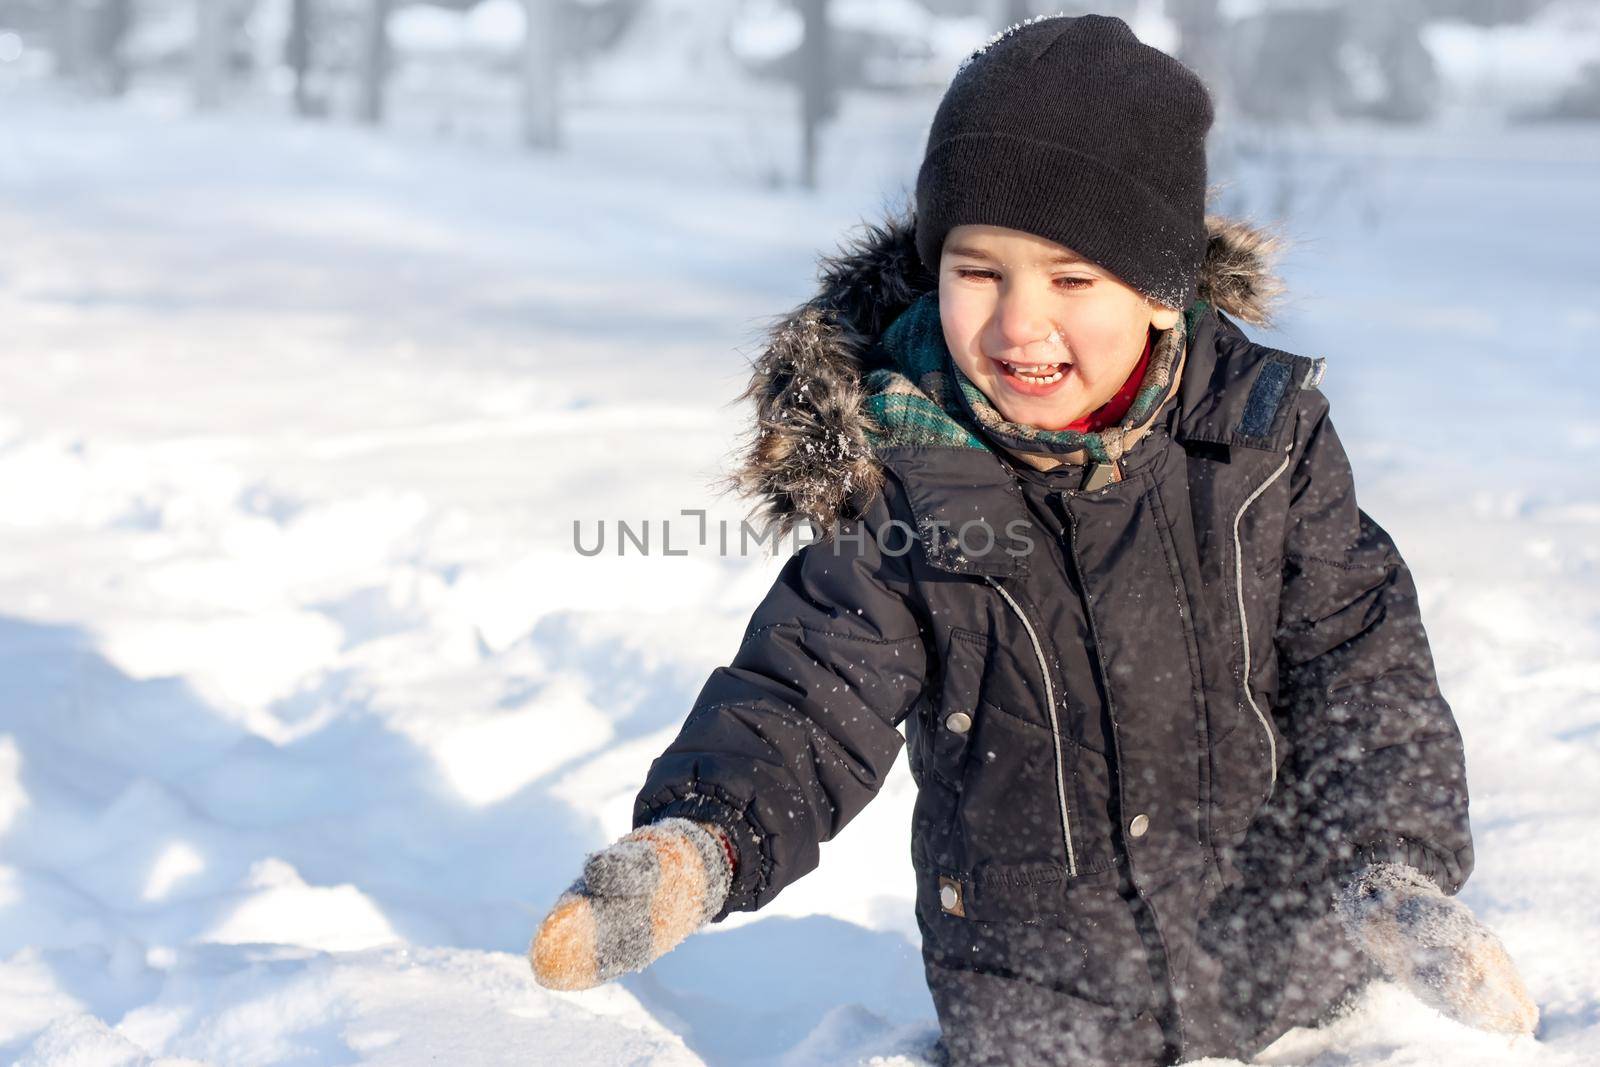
1020	319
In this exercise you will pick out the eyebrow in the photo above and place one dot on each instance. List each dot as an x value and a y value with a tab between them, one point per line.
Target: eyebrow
1059	259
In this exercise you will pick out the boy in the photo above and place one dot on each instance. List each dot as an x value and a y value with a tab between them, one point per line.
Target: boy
1185	777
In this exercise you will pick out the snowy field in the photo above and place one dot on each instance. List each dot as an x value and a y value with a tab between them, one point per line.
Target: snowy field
311	708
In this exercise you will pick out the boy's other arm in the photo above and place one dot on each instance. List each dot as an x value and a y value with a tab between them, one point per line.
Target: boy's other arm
1379	757
791	740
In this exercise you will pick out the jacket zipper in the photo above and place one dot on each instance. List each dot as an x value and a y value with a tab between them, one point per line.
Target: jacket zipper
1055	733
1244	624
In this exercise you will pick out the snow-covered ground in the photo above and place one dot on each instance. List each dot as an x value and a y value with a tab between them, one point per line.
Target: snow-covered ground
311	708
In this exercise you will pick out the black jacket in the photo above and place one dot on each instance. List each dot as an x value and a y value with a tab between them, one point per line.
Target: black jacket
1147	742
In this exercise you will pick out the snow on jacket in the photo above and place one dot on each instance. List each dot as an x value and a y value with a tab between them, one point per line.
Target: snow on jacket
1152	725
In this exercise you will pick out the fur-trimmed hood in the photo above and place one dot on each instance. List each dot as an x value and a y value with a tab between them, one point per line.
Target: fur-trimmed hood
808	455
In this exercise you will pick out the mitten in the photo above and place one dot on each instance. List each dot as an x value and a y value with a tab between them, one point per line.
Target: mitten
1435	948
637	898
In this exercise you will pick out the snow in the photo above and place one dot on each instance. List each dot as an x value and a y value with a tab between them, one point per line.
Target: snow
312	708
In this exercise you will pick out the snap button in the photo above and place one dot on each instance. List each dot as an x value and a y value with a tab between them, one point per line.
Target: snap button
1139	825
950	895
958	721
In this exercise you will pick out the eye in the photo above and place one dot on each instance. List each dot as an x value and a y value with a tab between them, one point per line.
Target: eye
974	272
1073	281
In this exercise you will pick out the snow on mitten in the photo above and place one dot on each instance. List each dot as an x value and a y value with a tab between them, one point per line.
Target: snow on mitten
1435	947
637	898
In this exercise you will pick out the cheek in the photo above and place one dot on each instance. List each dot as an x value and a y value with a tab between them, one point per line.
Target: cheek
1097	358
1107	346
962	316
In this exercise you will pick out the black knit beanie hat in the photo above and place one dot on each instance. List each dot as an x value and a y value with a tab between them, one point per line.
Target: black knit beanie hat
1071	129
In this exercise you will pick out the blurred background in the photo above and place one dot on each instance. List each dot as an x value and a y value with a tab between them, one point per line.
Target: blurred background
528	72
327	327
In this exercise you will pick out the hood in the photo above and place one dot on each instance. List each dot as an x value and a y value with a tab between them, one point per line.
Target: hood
808	455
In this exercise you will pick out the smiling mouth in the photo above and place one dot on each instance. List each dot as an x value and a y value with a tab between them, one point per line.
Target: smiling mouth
1036	373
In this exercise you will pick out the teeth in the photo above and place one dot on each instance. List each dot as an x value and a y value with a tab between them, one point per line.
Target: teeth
1037	373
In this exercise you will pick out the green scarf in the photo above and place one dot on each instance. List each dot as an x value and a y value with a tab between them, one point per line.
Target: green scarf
923	398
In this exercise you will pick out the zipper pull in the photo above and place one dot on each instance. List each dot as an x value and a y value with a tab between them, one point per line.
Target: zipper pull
1100	475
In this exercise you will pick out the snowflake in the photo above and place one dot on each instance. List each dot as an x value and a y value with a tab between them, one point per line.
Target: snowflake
1002	35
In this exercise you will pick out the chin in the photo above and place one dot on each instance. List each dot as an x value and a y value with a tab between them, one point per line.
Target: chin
1053	417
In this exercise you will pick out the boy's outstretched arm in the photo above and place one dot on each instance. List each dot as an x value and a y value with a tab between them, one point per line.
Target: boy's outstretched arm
790	740
782	748
1377	757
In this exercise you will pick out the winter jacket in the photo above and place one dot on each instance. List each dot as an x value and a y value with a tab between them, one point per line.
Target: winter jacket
1151	726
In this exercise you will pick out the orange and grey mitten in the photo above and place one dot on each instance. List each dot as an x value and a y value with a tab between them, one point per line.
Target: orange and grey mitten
1435	948
637	898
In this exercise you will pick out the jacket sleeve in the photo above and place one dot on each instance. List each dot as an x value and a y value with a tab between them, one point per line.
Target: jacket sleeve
789	741
1377	756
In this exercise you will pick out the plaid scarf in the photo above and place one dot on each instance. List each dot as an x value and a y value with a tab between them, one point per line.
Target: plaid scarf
923	398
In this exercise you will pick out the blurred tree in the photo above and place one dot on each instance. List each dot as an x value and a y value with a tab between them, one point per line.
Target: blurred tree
1387	38
588	27
1309	62
818	98
65	40
209	61
1484	12
1579	101
87	38
375	61
108	29
541	76
894	52
1290	66
297	55
555	33
1200	37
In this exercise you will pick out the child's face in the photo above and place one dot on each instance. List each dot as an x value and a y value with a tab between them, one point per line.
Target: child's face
1009	299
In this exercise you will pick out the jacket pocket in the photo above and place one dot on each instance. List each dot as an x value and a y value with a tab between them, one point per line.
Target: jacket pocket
951	732
1010	808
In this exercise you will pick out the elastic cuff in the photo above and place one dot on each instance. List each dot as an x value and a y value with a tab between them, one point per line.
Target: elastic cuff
726	841
749	868
1399	850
